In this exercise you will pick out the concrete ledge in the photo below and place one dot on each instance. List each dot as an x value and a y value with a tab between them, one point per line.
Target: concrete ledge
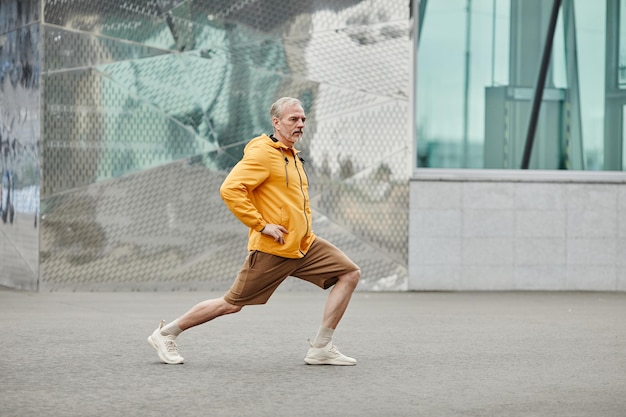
514	175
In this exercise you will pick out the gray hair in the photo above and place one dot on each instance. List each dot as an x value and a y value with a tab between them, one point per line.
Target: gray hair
278	106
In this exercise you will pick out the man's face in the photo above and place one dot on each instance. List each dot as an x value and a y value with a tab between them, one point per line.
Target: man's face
288	128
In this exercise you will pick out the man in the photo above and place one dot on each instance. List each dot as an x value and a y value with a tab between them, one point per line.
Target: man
268	191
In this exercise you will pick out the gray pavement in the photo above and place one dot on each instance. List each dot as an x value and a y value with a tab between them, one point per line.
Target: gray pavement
420	354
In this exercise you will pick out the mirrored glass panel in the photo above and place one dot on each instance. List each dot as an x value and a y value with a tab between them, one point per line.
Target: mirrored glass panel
19	145
148	105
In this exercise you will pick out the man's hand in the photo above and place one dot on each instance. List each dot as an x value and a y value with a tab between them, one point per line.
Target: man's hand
276	231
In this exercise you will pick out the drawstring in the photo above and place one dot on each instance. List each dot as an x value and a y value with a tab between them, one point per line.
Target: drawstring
286	163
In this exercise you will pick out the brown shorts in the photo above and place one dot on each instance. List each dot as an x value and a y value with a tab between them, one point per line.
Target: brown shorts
262	273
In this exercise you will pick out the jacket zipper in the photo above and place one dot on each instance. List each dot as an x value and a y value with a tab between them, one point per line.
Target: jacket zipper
306	217
286	163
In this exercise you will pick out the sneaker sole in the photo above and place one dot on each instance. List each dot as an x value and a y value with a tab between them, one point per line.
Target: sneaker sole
156	347
310	361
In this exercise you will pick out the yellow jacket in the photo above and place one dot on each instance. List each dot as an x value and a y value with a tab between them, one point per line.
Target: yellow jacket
269	185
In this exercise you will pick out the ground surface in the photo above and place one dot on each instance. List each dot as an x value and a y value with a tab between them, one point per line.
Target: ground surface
420	354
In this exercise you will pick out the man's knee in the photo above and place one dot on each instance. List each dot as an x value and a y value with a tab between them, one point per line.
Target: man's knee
229	308
351	278
234	309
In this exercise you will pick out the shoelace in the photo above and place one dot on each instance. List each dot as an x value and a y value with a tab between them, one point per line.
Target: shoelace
333	349
171	346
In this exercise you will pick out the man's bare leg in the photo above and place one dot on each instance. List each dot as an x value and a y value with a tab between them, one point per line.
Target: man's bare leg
339	298
163	339
322	351
206	311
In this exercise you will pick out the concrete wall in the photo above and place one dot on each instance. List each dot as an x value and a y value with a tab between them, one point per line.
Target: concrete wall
512	230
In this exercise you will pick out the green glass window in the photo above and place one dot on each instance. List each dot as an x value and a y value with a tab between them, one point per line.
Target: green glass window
478	65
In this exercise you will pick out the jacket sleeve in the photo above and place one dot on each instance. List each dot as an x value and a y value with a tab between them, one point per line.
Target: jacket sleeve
236	190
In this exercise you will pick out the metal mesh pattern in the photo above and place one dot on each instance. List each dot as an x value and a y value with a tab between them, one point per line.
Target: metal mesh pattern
164	228
88	141
148	104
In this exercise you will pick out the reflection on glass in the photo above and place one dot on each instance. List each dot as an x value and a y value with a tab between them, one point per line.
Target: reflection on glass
19	145
575	131
147	105
590	40
622	45
623	136
440	78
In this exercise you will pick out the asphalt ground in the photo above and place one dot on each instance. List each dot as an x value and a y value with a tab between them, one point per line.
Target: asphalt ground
420	354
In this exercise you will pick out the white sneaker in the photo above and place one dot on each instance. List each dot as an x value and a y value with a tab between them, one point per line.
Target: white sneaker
327	355
165	346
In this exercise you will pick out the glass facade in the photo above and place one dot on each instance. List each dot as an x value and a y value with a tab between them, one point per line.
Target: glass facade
19	142
478	64
131	113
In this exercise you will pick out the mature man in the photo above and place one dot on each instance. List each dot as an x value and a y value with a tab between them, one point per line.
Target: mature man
268	191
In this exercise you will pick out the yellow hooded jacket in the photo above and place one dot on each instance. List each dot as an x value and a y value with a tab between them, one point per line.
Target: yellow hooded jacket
269	185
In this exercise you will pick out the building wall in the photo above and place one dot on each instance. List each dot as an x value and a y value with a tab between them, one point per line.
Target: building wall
504	230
